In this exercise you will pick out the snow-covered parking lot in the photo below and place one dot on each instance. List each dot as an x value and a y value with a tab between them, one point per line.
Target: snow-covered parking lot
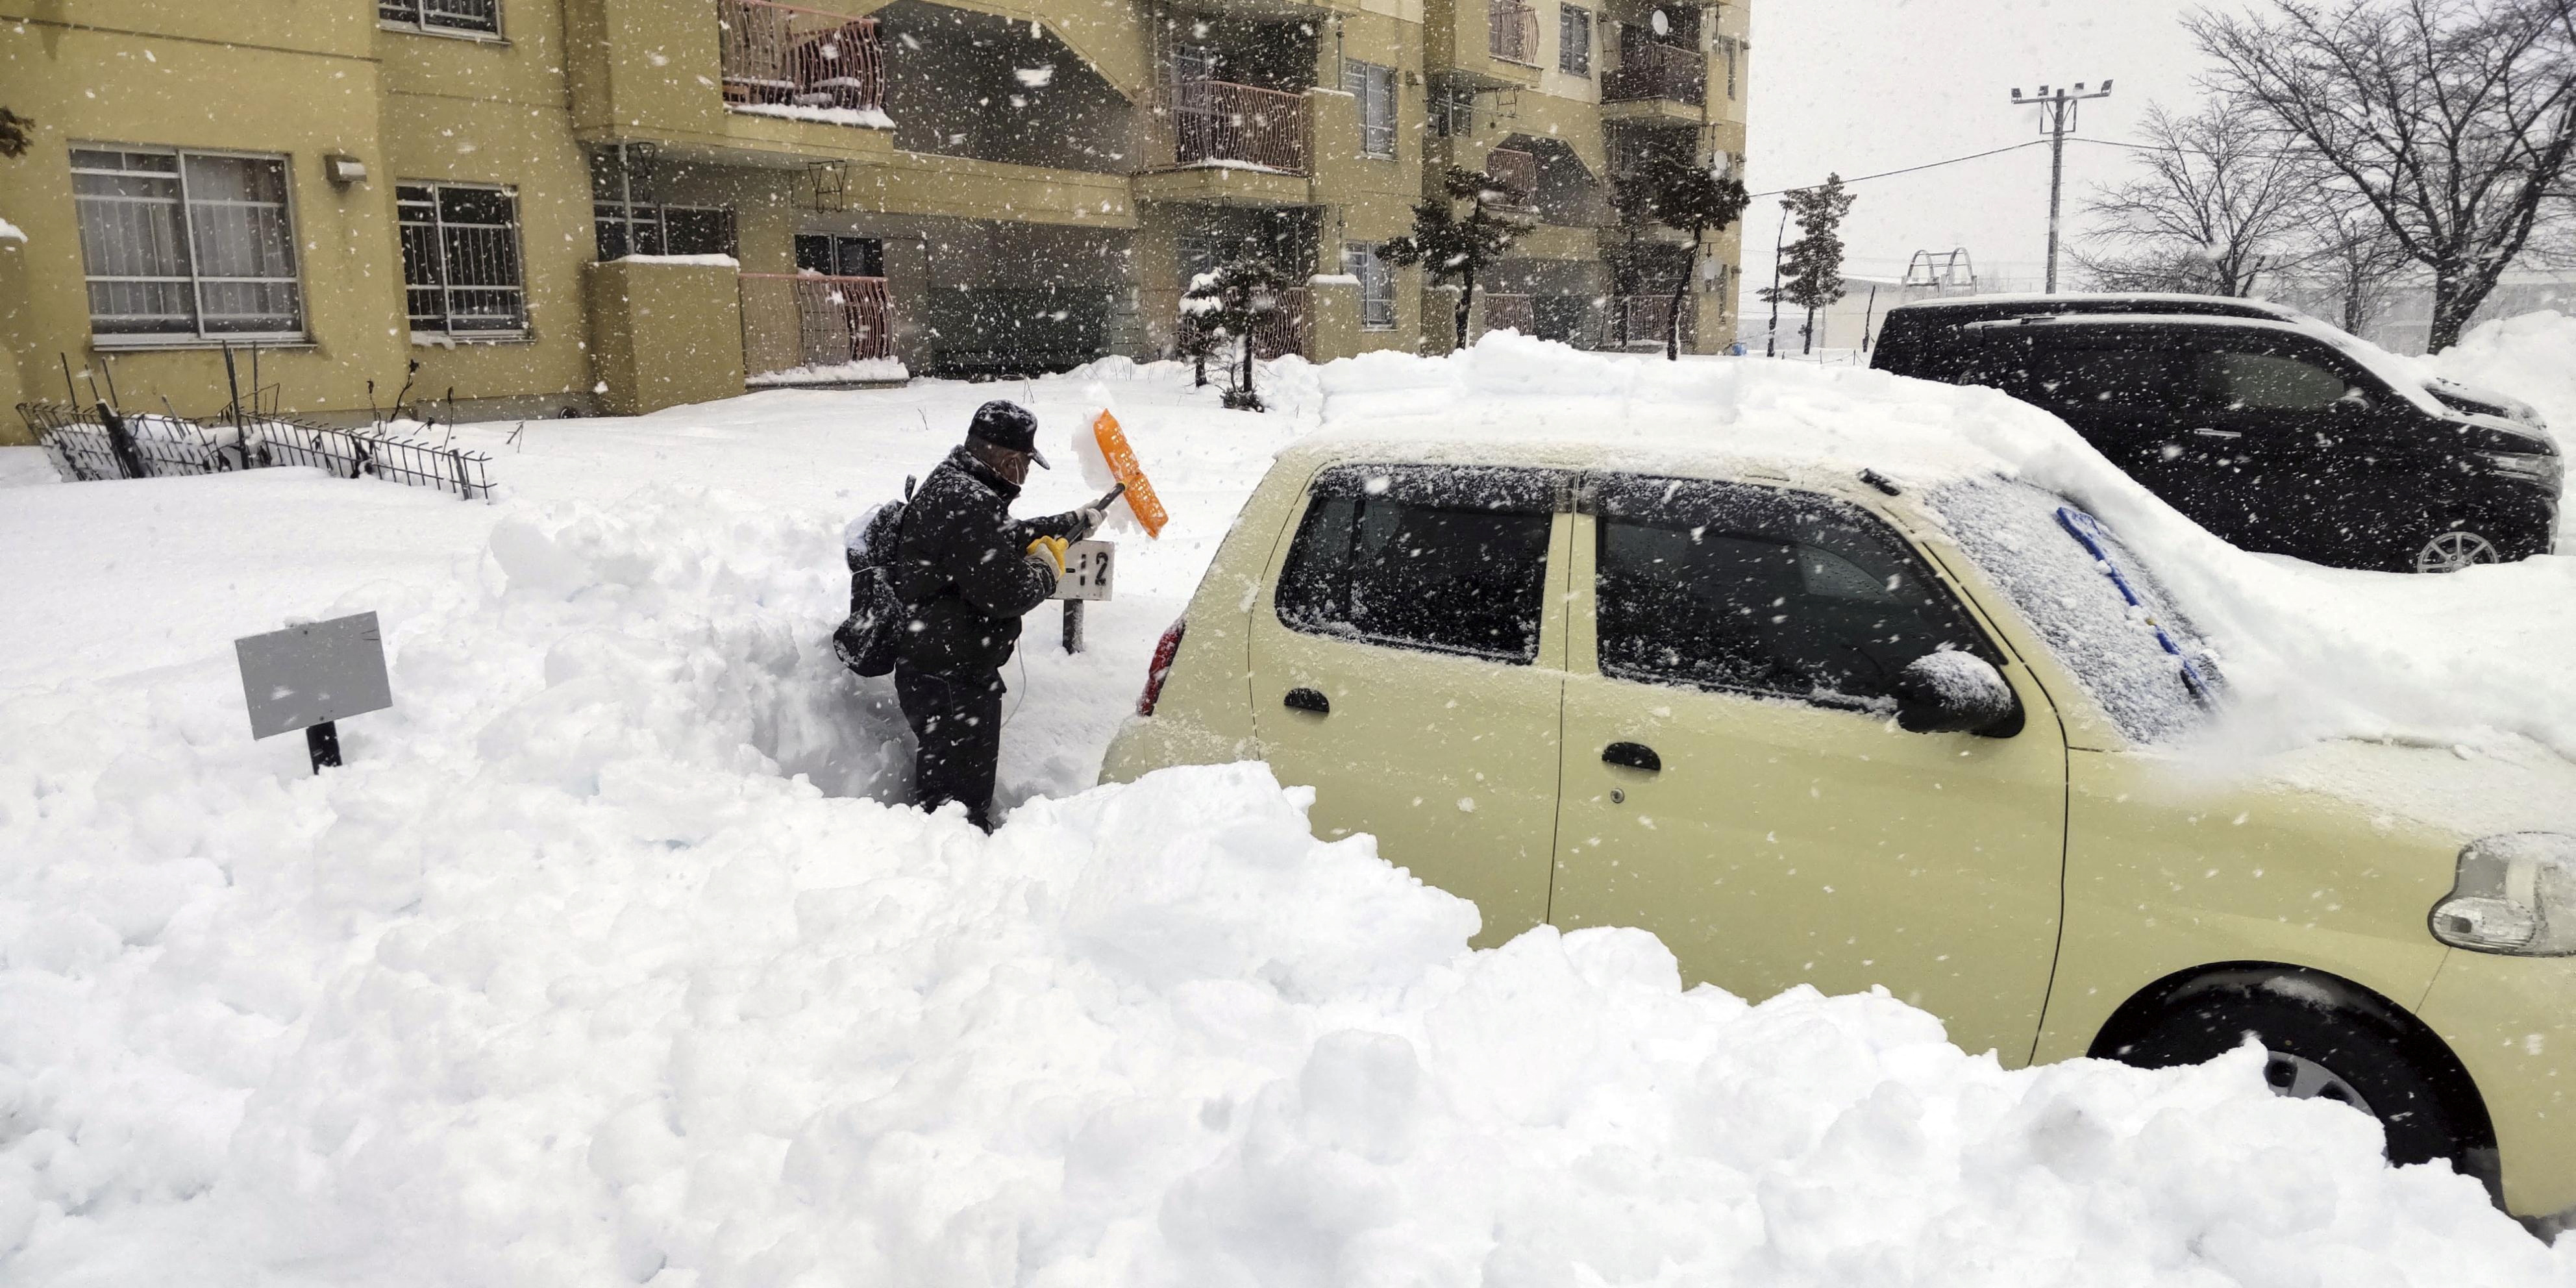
601	961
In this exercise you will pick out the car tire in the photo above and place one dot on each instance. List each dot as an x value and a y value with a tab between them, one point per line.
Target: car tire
2325	1052
2453	549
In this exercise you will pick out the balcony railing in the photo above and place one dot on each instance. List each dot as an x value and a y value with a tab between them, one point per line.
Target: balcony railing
782	56
1515	312
1511	33
1217	122
1650	69
820	328
1280	332
1640	322
1516	168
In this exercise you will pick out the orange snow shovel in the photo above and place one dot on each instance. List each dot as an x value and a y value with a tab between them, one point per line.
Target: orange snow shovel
1122	465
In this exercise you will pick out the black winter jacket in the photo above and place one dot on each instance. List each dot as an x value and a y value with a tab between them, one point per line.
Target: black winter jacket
964	569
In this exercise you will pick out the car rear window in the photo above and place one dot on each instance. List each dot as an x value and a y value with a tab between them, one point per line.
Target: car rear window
2099	608
1441	559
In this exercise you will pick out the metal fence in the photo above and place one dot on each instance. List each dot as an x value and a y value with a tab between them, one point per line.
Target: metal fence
785	56
807	321
95	443
1650	69
1641	321
1518	170
1222	121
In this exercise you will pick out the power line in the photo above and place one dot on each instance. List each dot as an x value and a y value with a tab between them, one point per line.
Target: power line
1929	165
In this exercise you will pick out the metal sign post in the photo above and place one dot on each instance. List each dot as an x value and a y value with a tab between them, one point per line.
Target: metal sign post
310	675
1089	567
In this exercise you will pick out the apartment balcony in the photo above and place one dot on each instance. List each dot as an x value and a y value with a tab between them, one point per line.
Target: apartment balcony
728	81
1640	322
1655	79
804	329
1236	145
1288	328
1518	170
1511	33
801	64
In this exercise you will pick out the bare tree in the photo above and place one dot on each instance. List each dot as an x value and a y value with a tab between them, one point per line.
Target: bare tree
2353	262
2216	207
2451	119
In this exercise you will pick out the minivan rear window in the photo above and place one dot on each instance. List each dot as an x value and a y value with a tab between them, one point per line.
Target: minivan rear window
1440	559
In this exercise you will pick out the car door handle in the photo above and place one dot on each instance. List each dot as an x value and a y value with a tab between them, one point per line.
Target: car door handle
1632	755
1308	700
2206	432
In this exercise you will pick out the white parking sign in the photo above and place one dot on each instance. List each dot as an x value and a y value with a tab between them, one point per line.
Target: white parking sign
1088	566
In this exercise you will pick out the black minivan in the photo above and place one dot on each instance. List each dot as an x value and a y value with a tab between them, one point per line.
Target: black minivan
2271	429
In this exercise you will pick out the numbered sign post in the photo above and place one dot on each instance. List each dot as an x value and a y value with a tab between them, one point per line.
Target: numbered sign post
1089	567
308	676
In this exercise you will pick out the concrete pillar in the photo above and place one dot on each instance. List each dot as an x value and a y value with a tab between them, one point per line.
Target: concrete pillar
663	334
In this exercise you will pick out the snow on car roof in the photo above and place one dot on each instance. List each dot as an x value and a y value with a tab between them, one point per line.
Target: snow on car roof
2012	298
1528	400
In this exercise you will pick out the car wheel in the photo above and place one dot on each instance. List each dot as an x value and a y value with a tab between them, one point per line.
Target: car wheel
2459	548
2318	1052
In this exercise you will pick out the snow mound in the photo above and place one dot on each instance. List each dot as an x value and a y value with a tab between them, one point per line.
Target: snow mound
2532	357
589	968
2312	653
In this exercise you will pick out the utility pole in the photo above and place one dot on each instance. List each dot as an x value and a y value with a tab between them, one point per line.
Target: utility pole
1779	245
2057	116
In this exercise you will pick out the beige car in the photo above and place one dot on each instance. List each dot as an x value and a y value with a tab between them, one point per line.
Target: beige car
1819	727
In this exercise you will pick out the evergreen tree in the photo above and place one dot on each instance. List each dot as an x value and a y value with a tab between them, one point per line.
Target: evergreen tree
1685	197
1230	303
1812	266
1457	248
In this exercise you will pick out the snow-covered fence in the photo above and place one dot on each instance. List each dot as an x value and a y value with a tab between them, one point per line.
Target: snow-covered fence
85	445
780	55
1215	122
803	321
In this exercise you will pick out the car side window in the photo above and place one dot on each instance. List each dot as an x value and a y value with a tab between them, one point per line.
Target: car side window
1442	559
2083	376
2247	380
1762	590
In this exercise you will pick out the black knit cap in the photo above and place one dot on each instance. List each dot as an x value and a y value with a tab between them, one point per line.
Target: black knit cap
1008	424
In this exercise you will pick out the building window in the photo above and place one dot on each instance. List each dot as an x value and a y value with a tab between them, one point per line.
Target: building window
471	17
1374	87
187	245
1729	46
1377	285
840	256
460	247
644	228
1453	112
1574	40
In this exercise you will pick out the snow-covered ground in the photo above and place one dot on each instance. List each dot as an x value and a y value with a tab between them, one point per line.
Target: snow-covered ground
600	962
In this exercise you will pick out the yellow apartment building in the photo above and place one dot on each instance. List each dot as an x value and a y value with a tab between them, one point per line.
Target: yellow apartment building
590	206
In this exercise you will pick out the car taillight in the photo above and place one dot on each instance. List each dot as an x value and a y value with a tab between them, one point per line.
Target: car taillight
1164	652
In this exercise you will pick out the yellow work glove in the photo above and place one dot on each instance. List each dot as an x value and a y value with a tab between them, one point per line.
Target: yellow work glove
1053	550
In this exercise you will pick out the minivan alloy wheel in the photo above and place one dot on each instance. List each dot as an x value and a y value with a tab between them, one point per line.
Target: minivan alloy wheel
2452	551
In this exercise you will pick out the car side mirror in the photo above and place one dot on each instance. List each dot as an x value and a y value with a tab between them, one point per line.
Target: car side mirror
1954	692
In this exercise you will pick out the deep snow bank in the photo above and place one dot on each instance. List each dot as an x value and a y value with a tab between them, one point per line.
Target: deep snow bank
2476	658
567	979
2532	357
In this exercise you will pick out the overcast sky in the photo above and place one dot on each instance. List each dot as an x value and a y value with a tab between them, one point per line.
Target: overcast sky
1861	86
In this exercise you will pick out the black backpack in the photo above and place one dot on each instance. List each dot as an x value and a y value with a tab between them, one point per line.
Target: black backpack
867	638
